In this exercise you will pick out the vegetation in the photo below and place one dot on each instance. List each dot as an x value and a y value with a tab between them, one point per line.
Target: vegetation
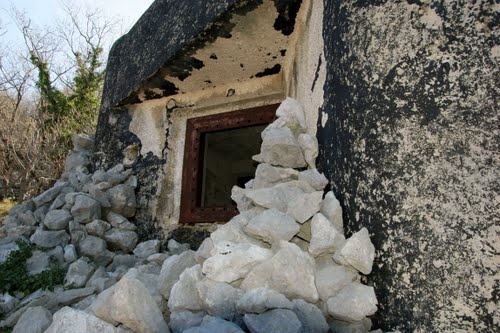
14	276
48	91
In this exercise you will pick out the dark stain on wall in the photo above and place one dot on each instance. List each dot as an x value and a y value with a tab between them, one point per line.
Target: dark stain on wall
287	12
407	151
269	71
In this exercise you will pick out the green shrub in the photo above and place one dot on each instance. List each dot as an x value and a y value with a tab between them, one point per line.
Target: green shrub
14	276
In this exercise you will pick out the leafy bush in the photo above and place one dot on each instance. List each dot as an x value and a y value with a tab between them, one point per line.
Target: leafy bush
14	276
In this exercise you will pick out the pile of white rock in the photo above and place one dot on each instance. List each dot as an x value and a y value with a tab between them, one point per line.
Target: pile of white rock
281	265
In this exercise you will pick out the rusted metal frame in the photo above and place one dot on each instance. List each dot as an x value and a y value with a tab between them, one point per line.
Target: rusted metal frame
190	210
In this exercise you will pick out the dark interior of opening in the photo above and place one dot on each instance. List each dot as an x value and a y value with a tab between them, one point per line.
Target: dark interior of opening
227	161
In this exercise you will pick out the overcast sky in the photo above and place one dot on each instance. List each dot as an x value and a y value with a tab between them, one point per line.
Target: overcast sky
44	12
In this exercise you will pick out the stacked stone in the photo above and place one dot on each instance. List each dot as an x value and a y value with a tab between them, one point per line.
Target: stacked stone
283	264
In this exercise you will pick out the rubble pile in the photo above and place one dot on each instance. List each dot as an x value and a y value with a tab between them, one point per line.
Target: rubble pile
281	265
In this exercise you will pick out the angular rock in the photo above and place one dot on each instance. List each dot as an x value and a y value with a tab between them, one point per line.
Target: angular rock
47	196
314	178
353	303
290	271
233	232
277	196
174	247
21	231
157	258
204	251
78	273
267	175
272	226
310	149
38	262
291	114
129	303
331	209
172	268
233	261
75	160
122	199
262	299
331	278
35	320
123	260
99	195
310	317
325	237
303	207
40	213
182	320
358	252
280	148
95	248
184	295
85	209
276	321
151	282
219	298
46	238
77	231
68	297
82	141
213	324
147	248
352	327
70	254
27	218
58	202
57	219
120	222
97	228
68	320
238	196
119	239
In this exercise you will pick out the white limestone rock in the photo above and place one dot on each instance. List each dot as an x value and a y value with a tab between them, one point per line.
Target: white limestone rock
267	175
272	226
97	228
129	302
45	238
233	261
291	114
310	316
79	273
314	178
280	148
325	237
174	247
120	239
218	298
7	246
83	141
147	248
180	321
34	320
233	232
238	195
158	258
262	299
118	221
47	196
68	320
57	219
304	206
122	199
310	148
77	231
7	303
171	270
276	321
290	271
184	295
277	196
70	296
38	262
95	248
353	303
150	280
211	324
358	252
70	254
204	251
85	209
331	278
331	209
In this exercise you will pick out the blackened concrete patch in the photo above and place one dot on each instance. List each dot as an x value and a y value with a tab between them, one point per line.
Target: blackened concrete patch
407	146
269	71
287	12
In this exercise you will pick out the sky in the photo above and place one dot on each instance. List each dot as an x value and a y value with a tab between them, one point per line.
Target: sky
45	12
